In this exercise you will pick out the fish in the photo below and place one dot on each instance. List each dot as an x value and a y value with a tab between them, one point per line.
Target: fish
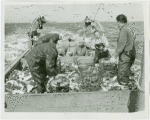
17	92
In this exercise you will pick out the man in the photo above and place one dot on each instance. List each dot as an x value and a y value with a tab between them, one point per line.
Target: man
46	38
125	50
34	34
42	62
80	49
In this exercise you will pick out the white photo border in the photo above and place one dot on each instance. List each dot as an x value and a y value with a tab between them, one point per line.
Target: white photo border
47	115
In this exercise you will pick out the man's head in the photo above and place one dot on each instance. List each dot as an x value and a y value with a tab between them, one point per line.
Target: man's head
43	19
55	38
97	34
87	21
81	44
121	19
69	39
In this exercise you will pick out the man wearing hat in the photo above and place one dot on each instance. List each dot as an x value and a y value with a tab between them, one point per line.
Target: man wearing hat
46	38
36	26
80	49
42	61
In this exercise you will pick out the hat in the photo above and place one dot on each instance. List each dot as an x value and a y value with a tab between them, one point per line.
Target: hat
43	20
87	19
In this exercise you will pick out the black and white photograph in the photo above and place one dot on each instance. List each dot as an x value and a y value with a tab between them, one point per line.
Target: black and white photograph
73	57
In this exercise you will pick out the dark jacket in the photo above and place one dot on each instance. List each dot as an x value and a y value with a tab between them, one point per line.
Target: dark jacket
45	52
47	38
126	40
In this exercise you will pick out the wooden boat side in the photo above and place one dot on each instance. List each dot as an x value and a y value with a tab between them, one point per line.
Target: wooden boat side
14	64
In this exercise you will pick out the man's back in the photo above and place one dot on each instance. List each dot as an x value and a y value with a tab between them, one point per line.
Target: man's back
40	52
46	38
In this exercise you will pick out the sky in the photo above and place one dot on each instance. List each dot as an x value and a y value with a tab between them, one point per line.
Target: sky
72	12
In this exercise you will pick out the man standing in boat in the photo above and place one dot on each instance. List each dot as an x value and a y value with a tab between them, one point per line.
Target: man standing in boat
42	62
125	50
35	27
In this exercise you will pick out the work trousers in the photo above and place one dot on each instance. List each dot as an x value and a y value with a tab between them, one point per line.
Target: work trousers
38	72
126	59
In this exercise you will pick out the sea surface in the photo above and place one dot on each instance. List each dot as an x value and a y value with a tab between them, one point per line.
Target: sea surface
16	38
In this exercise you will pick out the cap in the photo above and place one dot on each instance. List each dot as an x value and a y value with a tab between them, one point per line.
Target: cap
87	19
43	20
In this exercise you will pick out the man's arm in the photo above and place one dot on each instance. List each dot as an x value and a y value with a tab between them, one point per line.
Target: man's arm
121	43
51	59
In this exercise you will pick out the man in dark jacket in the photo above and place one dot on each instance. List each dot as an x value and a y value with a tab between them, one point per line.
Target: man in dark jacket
46	38
125	50
100	52
42	62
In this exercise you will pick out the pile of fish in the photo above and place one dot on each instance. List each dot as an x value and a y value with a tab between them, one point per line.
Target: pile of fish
72	77
19	82
68	82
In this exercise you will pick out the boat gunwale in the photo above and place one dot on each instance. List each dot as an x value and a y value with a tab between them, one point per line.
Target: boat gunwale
72	93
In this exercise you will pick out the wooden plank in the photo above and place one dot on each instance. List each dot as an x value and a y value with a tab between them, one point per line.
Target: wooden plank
14	64
56	102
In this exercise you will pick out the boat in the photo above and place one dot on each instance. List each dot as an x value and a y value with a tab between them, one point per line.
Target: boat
102	101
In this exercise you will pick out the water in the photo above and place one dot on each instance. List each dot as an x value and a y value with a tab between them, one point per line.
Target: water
16	38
